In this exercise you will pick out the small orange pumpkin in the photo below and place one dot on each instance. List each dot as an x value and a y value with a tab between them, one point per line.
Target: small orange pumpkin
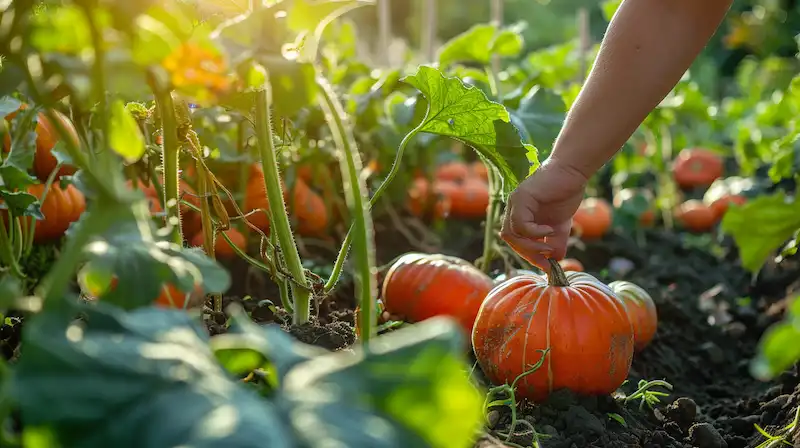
577	317
44	162
222	249
478	169
641	309
571	264
419	286
453	171
309	209
697	167
60	209
720	206
695	216
593	218
421	199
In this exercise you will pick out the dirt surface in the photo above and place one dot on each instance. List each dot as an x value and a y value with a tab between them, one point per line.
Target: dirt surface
711	315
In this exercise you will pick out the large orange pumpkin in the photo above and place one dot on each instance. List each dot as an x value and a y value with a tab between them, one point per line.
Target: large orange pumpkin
44	162
61	207
593	218
696	167
420	286
641	309
695	216
580	320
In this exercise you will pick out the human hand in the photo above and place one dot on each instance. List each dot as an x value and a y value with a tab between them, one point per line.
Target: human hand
539	212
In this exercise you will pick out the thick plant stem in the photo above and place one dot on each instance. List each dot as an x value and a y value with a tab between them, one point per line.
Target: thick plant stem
301	293
356	193
169	159
489	226
336	272
556	277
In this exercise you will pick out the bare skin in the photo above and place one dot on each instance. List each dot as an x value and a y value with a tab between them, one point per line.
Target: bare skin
648	46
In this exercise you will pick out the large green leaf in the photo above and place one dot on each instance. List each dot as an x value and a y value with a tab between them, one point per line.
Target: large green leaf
542	113
778	348
465	113
142	379
142	261
760	226
411	389
480	43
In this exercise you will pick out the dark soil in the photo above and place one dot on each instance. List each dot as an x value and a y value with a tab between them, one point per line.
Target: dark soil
711	316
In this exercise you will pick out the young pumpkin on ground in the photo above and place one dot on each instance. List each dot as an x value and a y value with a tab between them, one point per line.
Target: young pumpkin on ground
61	207
419	286
44	162
580	320
223	250
697	167
695	216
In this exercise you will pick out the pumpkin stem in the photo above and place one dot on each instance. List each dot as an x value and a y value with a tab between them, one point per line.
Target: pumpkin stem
557	277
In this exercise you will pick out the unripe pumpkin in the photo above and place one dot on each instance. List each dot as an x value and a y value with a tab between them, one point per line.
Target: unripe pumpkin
580	320
593	218
419	286
641	309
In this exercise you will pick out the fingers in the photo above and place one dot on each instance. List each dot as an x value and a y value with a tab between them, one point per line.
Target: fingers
558	240
521	222
534	252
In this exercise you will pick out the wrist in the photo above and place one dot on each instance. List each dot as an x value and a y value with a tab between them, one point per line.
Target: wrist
570	172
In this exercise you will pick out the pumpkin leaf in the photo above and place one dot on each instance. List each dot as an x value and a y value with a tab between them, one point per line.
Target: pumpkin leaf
410	378
8	105
21	203
778	349
542	113
144	378
124	134
143	263
465	113
479	43
761	226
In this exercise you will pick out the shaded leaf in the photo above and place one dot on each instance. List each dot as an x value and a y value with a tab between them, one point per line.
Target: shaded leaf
145	378
542	113
464	113
411	389
143	262
761	226
21	203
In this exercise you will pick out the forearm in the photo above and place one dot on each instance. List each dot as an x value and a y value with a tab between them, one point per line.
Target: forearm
649	45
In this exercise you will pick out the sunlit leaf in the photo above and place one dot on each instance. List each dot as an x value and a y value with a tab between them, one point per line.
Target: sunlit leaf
778	350
124	135
479	44
145	378
761	226
464	113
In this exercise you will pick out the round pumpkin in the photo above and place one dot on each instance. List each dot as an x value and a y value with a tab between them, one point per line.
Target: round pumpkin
419	286
720	206
421	199
571	264
695	216
453	171
61	207
697	167
469	199
580	320
641	309
593	218
222	249
309	209
44	162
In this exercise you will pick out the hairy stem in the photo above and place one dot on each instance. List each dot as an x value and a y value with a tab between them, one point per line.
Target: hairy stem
356	193
489	226
169	159
280	217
